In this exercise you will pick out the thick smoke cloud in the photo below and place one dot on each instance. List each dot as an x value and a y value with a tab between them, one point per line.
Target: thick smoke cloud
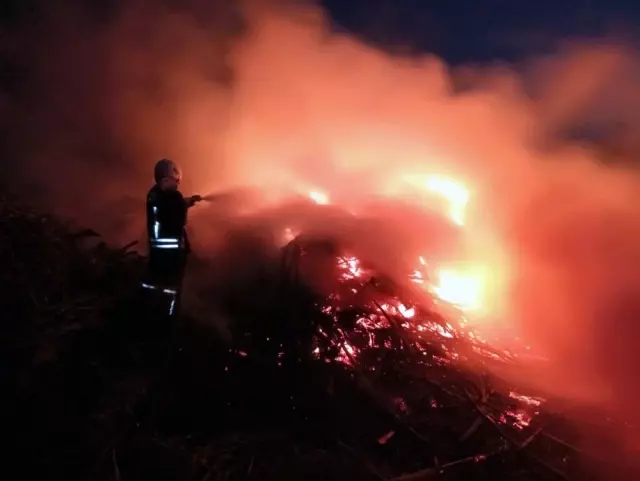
268	96
95	101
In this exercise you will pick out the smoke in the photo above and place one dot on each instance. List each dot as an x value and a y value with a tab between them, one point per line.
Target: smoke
264	94
97	99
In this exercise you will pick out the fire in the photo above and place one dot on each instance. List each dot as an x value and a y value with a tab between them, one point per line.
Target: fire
462	289
351	267
463	286
361	317
455	193
459	285
407	312
319	197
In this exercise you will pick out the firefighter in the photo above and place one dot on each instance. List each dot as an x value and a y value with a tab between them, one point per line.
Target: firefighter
167	236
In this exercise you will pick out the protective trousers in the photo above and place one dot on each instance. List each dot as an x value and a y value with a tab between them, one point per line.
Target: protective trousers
162	282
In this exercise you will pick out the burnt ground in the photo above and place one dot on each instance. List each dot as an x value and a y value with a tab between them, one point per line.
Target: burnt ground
96	388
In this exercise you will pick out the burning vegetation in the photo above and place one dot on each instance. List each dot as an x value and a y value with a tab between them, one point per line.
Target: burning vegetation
431	380
356	377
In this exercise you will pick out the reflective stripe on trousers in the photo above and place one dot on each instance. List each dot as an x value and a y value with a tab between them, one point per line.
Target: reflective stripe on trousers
172	292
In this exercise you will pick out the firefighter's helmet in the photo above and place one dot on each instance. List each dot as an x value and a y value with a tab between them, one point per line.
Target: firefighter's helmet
167	168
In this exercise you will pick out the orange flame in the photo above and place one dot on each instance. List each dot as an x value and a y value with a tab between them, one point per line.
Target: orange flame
462	289
455	193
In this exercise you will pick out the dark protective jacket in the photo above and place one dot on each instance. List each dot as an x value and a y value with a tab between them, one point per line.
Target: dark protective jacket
167	237
167	220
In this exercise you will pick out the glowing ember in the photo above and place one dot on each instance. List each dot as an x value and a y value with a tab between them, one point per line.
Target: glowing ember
347	353
531	401
416	277
518	419
425	334
407	312
351	267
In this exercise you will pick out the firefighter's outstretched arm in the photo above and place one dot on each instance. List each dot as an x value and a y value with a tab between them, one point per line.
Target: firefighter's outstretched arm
193	200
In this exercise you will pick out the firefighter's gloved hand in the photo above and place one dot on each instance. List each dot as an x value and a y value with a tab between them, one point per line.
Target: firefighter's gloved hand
193	200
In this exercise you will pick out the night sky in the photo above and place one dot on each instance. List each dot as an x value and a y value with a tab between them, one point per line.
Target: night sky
460	31
482	30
